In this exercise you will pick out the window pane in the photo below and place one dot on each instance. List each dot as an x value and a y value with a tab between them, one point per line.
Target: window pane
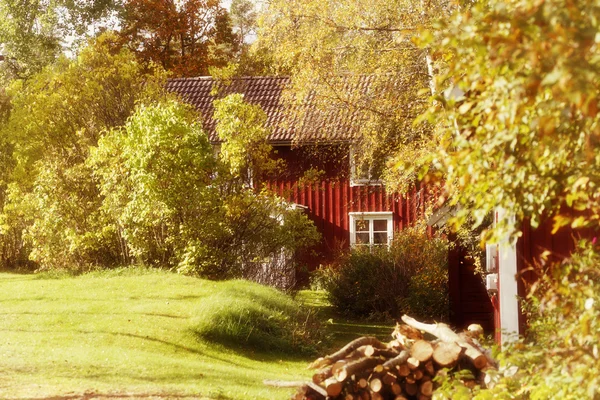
380	238
380	225
362	225
362	238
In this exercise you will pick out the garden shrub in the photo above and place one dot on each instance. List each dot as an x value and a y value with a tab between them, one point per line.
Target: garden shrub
250	316
408	277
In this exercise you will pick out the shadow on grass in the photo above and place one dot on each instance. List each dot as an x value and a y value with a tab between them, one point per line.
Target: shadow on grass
93	396
340	328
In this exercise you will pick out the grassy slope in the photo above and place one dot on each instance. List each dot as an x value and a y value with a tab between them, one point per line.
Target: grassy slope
122	335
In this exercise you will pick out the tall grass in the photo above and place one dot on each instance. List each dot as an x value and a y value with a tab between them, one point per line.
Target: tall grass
246	315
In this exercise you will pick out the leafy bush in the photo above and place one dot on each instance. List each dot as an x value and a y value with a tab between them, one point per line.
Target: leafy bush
175	204
256	318
410	277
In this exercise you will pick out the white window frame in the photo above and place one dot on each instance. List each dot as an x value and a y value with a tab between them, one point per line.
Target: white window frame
354	179
370	216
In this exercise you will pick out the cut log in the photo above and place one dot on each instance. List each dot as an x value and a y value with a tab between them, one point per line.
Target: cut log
411	389
400	359
396	389
421	350
406	334
347	349
338	365
417	374
426	388
385	353
366	351
403	370
429	368
356	366
333	387
445	334
413	363
376	396
389	378
376	385
317	389
363	383
446	354
323	374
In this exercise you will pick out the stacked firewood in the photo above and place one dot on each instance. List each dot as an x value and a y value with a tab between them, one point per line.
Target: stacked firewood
405	368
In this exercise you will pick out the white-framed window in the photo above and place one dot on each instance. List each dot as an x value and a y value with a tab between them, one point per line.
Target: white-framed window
363	173
371	228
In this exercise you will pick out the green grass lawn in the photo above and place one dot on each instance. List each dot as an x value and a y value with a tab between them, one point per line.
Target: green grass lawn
133	335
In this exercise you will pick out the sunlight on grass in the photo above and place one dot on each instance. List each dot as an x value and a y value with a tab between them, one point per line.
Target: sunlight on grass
123	333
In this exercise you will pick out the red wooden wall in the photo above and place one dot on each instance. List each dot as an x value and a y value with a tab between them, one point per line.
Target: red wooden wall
534	242
331	198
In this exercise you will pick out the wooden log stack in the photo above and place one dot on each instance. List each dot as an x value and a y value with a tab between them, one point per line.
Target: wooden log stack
403	369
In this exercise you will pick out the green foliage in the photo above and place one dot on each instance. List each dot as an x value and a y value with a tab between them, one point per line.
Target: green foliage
521	128
252	317
174	204
51	211
33	33
560	356
241	127
327	47
153	176
410	277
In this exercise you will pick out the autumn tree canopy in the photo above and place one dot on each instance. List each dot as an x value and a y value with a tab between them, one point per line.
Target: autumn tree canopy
327	47
516	118
186	37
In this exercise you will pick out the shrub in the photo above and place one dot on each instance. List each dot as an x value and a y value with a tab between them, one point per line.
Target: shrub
253	317
410	277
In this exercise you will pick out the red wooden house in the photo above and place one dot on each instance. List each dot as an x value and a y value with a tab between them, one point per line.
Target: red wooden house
348	208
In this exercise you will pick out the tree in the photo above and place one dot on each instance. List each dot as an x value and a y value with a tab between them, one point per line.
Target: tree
179	206
243	18
245	149
51	211
185	37
522	129
154	173
33	33
329	47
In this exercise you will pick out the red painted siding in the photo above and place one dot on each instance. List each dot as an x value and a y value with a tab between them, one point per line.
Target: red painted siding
330	199
329	202
534	242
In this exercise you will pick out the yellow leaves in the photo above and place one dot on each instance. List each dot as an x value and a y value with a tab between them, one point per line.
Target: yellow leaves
465	107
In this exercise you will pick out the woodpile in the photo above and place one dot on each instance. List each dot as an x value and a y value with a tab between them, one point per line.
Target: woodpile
405	368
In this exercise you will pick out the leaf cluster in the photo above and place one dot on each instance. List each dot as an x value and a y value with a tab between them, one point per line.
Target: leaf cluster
517	116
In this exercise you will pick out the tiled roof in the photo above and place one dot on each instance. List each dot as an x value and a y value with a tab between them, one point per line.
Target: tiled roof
312	124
